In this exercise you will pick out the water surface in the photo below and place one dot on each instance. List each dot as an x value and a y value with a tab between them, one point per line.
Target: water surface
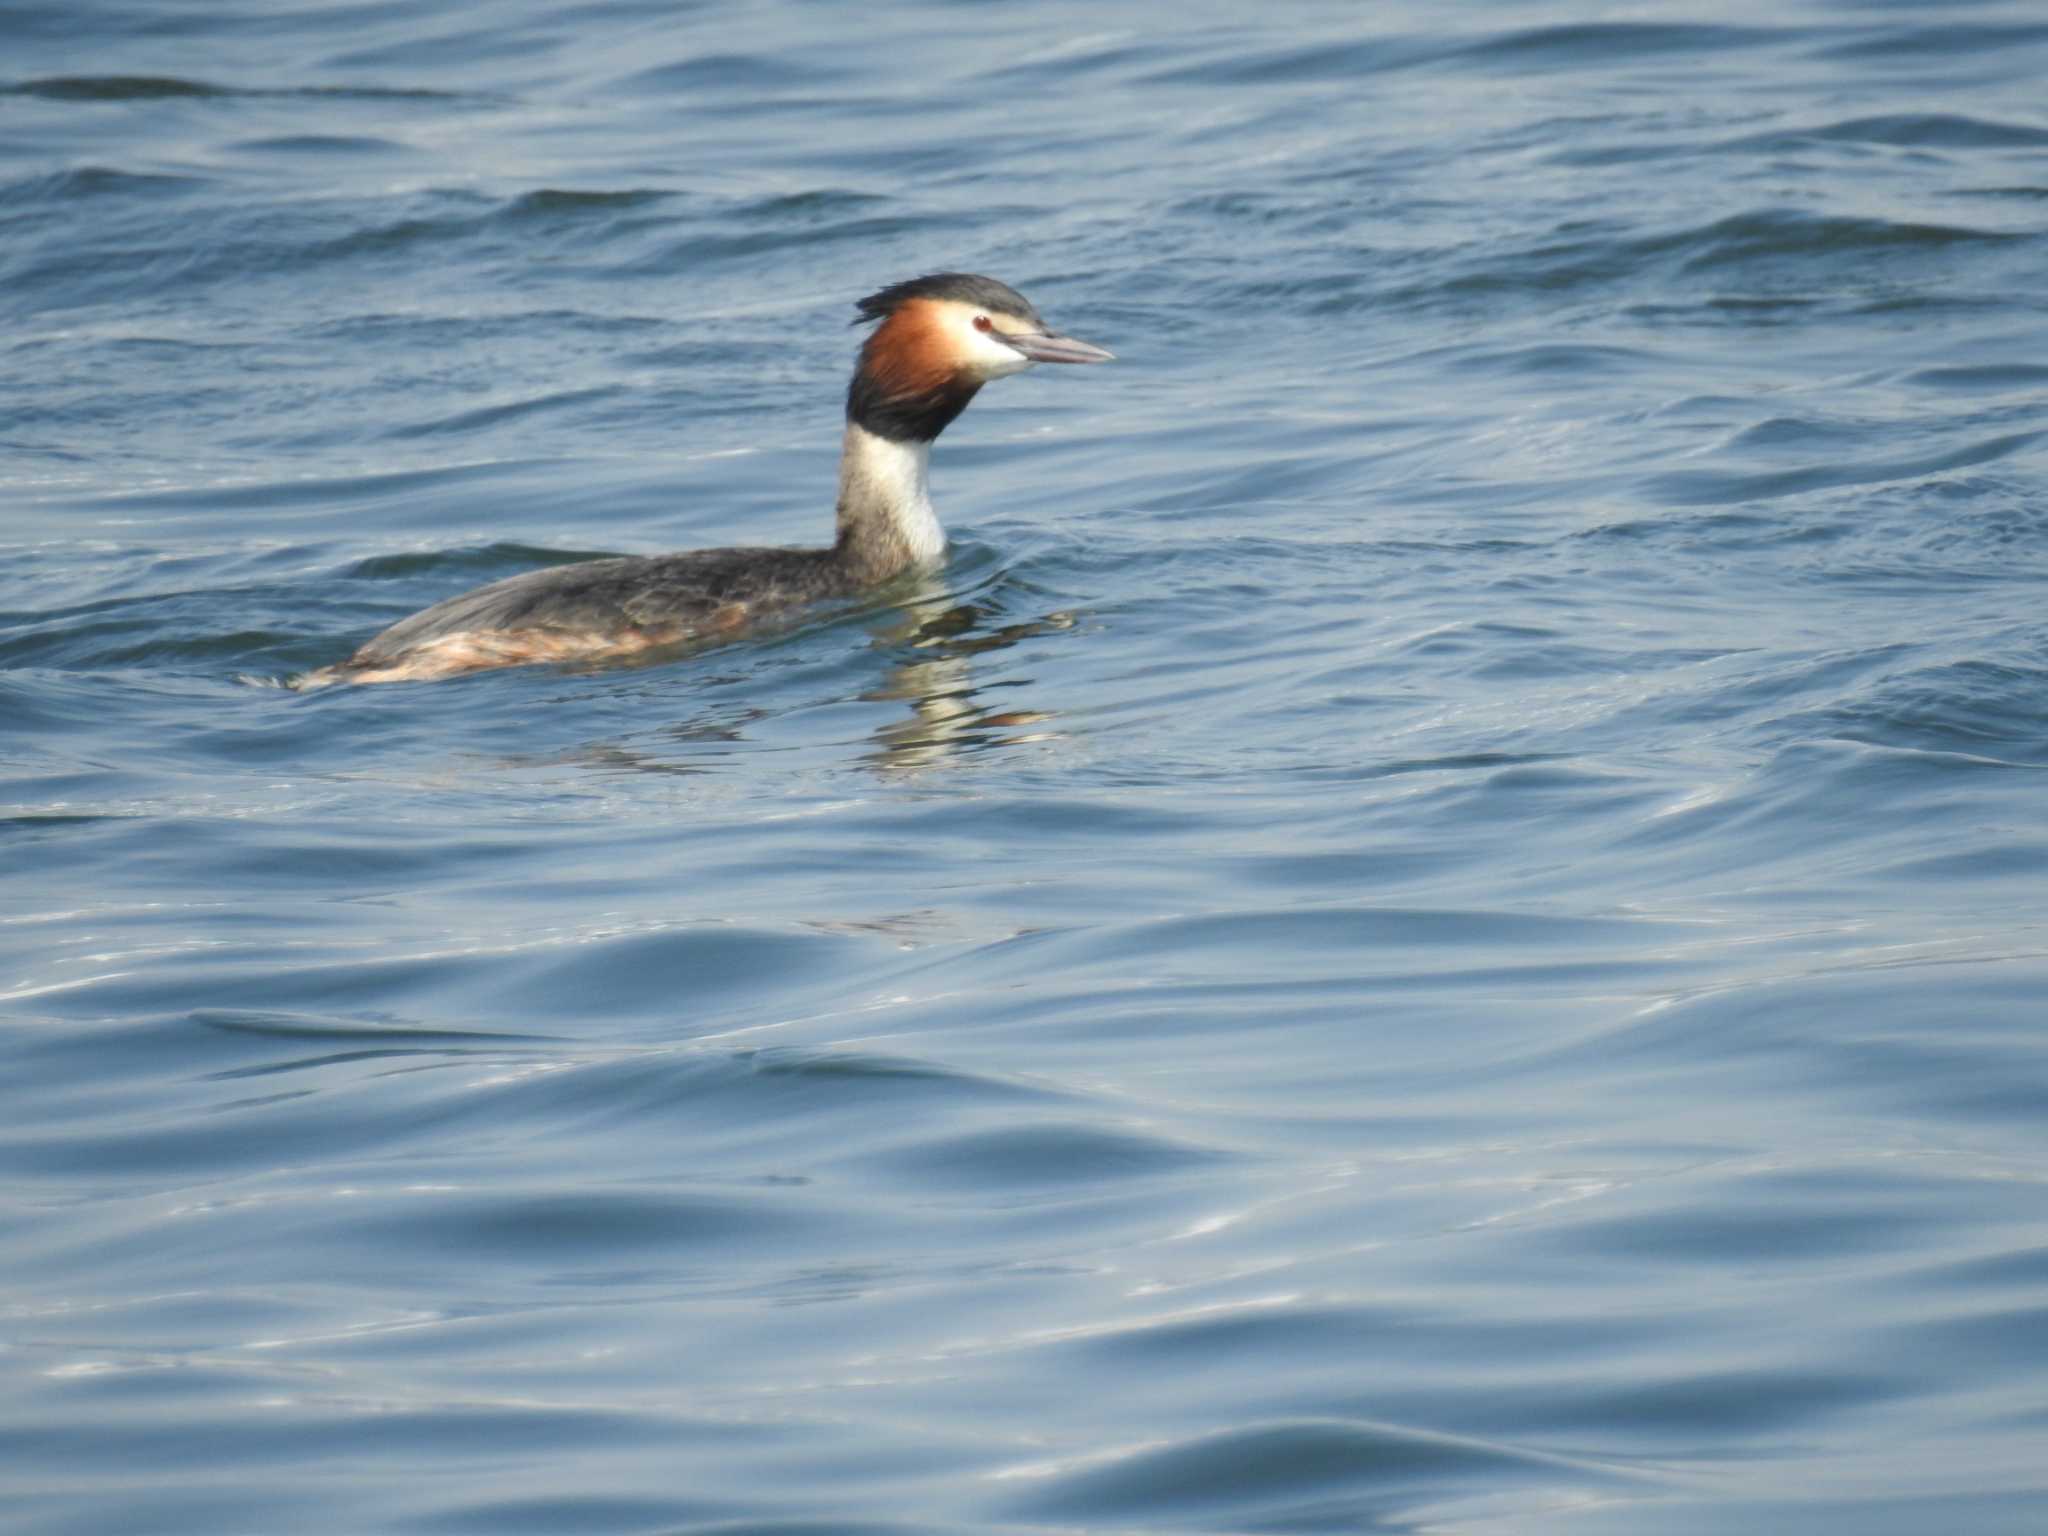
1436	924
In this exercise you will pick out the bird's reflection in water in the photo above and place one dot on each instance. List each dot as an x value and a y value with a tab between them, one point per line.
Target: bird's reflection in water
708	744
932	640
948	716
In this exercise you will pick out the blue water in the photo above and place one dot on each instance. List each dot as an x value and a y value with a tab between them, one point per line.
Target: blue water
1437	924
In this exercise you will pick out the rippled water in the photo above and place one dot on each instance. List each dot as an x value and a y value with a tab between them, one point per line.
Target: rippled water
1436	924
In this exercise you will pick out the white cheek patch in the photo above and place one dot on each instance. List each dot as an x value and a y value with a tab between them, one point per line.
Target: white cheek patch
988	356
1008	360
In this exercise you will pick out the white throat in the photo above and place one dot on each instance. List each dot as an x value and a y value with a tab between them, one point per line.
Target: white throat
885	500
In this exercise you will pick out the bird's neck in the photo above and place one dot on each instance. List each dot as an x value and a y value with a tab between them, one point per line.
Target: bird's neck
886	522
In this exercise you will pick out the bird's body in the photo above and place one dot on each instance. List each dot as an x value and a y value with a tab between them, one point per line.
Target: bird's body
940	339
597	610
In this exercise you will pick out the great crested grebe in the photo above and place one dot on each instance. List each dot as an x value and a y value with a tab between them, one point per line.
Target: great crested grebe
941	338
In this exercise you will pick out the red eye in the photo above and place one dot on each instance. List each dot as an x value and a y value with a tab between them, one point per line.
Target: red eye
983	323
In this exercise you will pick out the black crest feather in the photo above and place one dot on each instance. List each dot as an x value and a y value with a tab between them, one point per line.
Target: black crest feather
963	287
